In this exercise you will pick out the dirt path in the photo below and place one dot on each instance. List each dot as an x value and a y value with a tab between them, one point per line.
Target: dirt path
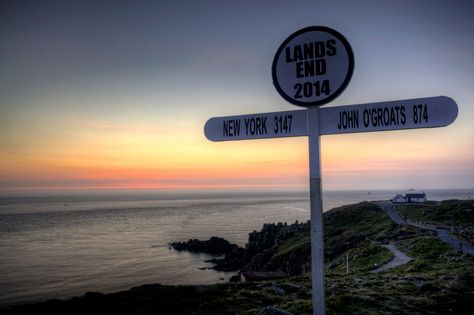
399	258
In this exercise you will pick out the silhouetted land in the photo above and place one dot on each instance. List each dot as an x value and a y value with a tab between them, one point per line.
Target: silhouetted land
437	280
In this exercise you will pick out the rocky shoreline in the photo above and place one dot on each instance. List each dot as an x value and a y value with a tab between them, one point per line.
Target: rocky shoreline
258	254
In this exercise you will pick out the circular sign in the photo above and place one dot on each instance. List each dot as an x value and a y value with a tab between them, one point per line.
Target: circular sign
313	66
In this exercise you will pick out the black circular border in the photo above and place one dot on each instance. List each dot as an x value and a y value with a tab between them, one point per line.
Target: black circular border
344	83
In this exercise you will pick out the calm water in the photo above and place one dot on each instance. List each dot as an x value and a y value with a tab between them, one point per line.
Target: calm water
59	247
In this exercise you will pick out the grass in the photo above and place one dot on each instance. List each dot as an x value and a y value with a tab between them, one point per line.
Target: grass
300	242
457	213
366	257
449	212
350	226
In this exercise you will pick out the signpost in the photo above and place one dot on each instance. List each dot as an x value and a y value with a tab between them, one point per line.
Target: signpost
311	68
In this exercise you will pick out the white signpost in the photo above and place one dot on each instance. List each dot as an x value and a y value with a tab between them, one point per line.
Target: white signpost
311	68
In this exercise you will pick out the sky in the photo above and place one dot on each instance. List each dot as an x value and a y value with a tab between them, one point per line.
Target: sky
113	95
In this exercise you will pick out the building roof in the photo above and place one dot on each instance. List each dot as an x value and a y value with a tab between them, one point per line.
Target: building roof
422	195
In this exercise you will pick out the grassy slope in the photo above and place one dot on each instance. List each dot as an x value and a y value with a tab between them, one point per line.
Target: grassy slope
350	229
437	280
450	212
458	213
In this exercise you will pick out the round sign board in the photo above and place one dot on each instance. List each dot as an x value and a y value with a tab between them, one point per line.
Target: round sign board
313	66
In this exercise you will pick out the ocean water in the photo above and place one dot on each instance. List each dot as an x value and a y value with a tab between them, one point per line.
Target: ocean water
60	247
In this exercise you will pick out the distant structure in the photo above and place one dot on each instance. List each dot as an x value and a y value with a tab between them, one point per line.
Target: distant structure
411	197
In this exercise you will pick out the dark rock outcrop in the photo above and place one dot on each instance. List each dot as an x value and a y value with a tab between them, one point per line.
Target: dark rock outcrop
232	260
213	246
263	252
233	254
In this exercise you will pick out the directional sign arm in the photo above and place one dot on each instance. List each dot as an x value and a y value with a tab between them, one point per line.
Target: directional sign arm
257	126
428	112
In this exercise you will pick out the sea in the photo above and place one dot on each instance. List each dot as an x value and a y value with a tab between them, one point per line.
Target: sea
58	247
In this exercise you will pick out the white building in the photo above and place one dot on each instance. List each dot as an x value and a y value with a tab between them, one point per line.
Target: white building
415	197
410	197
398	199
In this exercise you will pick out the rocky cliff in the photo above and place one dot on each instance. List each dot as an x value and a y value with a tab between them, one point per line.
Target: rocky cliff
268	250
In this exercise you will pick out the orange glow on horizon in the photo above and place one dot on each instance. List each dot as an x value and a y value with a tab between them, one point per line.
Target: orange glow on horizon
117	156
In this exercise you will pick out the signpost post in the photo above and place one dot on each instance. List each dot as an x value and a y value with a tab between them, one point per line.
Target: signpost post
311	68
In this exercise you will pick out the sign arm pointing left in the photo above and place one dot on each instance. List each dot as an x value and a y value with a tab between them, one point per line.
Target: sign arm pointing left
257	126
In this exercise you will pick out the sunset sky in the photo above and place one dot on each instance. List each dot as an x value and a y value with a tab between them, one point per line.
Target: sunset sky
114	94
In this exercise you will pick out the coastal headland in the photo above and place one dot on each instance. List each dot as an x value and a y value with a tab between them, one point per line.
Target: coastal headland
359	240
